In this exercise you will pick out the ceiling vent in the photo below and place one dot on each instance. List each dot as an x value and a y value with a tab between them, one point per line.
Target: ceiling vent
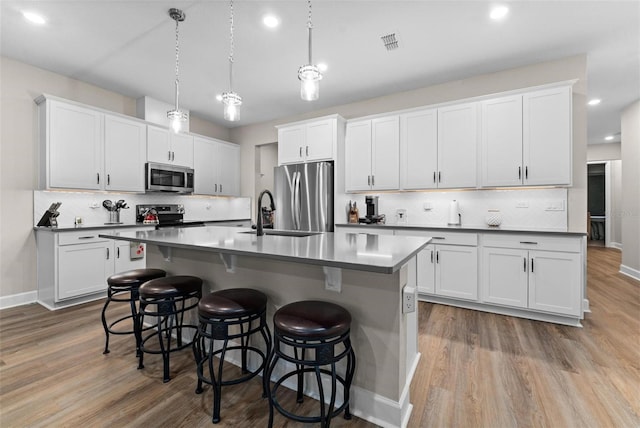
390	41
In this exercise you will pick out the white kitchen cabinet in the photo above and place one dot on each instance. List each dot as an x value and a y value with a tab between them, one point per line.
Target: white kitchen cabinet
216	167
534	272
547	137
419	150
165	146
73	266
125	153
457	146
72	146
372	154
309	141
448	266
526	139
123	260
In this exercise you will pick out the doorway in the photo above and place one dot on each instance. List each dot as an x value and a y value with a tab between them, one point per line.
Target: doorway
597	203
266	157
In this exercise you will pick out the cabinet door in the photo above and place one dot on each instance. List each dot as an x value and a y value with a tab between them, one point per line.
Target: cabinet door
385	153
158	146
547	136
181	149
504	276
451	279
320	140
426	270
291	142
457	146
502	142
205	166
229	169
125	154
419	150
75	147
555	282
83	269
358	156
123	261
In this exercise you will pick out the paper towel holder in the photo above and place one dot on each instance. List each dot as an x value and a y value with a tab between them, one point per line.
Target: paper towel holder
455	217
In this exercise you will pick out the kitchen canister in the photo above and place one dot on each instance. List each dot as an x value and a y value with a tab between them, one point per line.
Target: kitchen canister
494	217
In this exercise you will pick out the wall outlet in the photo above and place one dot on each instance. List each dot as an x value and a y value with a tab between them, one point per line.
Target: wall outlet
427	206
408	299
94	204
522	204
555	205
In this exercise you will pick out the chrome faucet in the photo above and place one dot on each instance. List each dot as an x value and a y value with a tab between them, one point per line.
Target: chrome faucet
259	229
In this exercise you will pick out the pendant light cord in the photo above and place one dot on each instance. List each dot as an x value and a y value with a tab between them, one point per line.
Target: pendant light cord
177	62
231	46
310	27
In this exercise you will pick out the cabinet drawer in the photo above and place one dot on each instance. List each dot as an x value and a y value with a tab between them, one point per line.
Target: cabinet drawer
533	242
81	237
446	238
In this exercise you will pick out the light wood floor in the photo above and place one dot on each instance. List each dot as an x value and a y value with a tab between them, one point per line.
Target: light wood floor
477	370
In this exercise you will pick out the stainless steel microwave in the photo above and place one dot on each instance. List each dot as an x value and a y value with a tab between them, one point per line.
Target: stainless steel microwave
168	178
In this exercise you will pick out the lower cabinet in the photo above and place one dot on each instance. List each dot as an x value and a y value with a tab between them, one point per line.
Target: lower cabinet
73	266
548	278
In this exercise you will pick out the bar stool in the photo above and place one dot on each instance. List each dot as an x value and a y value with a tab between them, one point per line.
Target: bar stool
320	327
123	287
227	315
168	299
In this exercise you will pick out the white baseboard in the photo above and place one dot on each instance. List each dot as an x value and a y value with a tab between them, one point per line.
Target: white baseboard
617	245
18	299
631	272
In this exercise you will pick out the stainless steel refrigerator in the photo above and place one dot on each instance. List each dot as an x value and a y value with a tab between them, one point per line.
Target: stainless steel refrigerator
304	196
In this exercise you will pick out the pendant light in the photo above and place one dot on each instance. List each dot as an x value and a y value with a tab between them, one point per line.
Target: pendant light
309	74
230	100
177	116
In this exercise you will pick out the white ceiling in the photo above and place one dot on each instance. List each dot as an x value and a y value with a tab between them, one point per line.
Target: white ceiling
128	47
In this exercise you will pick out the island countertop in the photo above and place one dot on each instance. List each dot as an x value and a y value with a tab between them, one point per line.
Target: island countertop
357	251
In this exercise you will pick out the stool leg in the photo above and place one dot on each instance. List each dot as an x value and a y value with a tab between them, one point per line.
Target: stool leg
140	322
272	365
197	346
266	334
104	321
134	318
323	419
351	368
244	342
165	351
300	376
332	401
217	384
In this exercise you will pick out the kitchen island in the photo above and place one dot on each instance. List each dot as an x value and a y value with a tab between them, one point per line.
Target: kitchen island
366	274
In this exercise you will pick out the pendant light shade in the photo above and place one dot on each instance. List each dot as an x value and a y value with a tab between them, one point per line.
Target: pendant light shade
309	75
230	100
176	116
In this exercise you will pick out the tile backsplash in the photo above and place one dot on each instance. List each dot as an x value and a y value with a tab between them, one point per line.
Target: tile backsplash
79	204
527	208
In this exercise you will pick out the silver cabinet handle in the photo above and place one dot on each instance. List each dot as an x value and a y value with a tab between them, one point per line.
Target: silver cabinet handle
437	256
108	179
368	180
524	265
531	264
431	256
300	152
519	172
434	176
438	237
107	254
373	180
98	177
216	188
526	172
529	242
86	237
439	177
169	154
117	252
307	152
220	187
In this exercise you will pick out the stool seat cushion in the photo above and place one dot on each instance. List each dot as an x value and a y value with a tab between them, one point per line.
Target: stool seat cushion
171	286
232	303
139	276
312	319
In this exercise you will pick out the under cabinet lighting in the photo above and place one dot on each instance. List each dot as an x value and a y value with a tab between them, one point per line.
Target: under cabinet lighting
609	137
499	12
594	102
34	18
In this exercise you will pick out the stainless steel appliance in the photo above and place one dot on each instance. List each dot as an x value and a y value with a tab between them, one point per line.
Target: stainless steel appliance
168	178
169	215
372	215
304	196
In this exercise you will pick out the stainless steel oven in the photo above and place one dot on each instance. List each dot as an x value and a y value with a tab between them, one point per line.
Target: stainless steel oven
168	178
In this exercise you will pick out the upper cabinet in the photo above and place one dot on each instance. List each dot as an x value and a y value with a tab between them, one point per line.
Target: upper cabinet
526	139
82	148
309	141
438	147
217	167
165	146
372	154
125	154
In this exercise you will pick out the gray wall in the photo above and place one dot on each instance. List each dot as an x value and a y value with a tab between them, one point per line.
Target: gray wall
19	86
630	183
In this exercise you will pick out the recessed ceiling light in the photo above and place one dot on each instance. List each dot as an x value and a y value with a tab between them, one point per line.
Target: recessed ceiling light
609	137
219	97
322	66
271	21
34	18
594	102
499	12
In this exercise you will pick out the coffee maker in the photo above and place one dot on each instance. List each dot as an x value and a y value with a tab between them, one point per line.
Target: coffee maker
372	211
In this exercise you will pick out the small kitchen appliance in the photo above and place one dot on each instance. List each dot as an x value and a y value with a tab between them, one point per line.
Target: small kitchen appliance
168	178
163	216
372	216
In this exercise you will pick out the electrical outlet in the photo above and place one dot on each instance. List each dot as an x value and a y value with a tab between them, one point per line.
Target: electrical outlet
555	205
427	206
408	299
522	204
94	204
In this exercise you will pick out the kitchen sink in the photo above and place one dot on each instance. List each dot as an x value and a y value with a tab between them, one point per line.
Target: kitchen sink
296	233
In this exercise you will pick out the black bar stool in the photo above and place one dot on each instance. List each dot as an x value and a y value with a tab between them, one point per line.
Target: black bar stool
227	315
123	287
170	299
323	329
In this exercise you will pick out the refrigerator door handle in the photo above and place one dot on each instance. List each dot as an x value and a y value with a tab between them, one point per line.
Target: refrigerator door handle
297	202
293	198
